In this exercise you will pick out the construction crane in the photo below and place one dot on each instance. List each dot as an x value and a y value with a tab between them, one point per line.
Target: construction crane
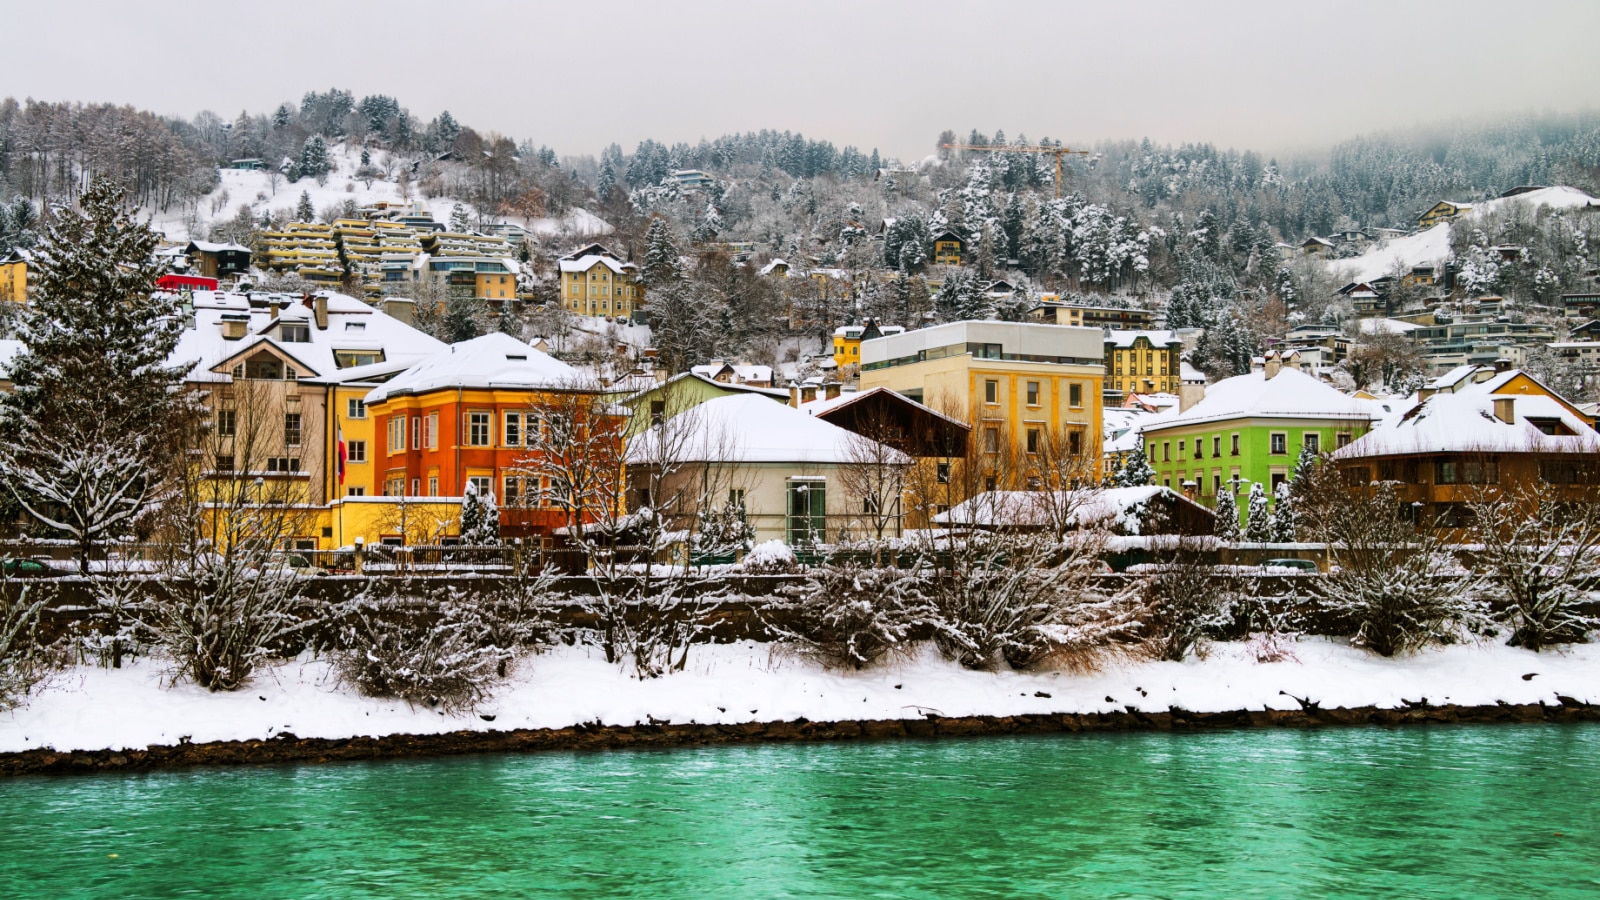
1057	152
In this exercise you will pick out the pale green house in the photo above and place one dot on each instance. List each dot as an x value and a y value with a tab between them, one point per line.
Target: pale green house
1250	429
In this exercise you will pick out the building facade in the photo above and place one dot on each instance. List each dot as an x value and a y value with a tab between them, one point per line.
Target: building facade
595	282
1144	362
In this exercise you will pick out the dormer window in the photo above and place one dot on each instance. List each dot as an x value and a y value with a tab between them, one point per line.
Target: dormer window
295	332
355	326
522	358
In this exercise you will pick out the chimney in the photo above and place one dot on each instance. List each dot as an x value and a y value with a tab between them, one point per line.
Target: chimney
830	390
1189	395
273	305
1424	393
1505	409
1272	364
1293	360
808	393
794	395
1502	365
401	309
319	308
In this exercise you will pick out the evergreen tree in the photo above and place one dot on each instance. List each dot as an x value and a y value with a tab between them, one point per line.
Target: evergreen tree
304	211
1285	515
366	156
1135	470
1258	528
314	161
662	263
961	298
460	221
91	422
464	319
1227	516
480	517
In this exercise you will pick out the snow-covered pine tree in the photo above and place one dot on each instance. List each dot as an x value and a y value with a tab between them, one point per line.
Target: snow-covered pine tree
460	221
465	318
1258	528
480	517
662	265
1135	470
1285	518
93	417
314	161
1227	516
304	211
366	156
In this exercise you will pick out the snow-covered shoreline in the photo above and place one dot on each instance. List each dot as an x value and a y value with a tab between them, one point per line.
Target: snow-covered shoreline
92	709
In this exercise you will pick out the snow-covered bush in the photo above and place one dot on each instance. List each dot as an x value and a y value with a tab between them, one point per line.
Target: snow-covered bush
22	659
437	647
723	530
770	558
1393	582
847	614
480	518
1184	599
1541	557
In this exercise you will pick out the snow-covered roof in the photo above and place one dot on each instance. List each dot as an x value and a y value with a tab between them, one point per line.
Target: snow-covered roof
1123	339
1385	326
1465	422
1189	373
350	322
1118	509
825	405
209	247
767	269
743	373
494	360
775	393
585	263
749	429
1290	394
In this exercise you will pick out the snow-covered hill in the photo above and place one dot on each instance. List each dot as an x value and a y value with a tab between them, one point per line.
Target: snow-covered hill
255	189
1433	245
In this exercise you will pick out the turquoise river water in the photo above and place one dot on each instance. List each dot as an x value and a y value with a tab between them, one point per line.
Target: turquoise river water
1491	811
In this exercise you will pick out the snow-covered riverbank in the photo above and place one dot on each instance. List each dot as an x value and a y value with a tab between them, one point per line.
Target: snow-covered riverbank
97	709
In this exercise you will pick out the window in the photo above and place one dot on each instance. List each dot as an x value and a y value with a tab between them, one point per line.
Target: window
991	440
416	432
658	411
1233	444
1280	443
1313	441
991	391
283	464
227	422
483	484
1074	442
1216	483
1075	395
394	485
1277	479
990	482
355	451
511	434
1033	393
1199	449
295	332
224	464
433	485
1342	439
416	487
1466	472
1216	445
808	507
432	426
356	408
477	429
291	429
355	492
397	434
1166	451
510	490
736	498
1033	440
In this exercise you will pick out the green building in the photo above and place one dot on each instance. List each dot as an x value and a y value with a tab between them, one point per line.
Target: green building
1250	429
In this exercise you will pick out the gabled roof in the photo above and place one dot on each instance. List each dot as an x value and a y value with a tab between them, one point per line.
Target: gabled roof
208	247
1123	510
493	361
585	263
1465	422
749	429
1290	394
1126	339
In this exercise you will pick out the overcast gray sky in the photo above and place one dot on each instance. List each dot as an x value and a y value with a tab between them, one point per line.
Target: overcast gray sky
892	75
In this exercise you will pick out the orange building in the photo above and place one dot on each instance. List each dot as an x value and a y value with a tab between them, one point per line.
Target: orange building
472	414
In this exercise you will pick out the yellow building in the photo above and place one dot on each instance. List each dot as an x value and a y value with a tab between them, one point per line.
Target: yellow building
1145	362
947	248
594	282
1022	387
1443	211
14	277
847	341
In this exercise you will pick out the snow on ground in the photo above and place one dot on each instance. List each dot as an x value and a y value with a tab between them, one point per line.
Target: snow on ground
255	189
88	708
1433	245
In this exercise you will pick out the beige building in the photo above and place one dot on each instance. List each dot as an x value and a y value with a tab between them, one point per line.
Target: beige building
1019	385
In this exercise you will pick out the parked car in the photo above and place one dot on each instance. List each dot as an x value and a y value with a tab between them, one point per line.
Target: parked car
1299	565
26	567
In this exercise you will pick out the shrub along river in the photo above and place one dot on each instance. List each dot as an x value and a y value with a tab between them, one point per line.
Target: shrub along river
1465	811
